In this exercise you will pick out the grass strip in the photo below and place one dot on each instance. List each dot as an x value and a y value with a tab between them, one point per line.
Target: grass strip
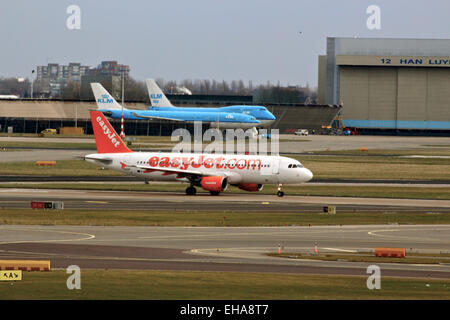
400	192
347	167
217	218
431	150
187	285
62	168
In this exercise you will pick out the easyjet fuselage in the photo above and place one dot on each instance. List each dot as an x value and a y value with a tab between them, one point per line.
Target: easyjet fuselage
237	168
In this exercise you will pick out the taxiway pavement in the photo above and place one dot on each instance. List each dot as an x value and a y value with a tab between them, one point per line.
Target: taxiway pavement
241	249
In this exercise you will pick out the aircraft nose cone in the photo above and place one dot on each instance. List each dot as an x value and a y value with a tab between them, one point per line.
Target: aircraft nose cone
307	174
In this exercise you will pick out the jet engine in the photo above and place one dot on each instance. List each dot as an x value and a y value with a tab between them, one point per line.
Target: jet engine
214	184
250	186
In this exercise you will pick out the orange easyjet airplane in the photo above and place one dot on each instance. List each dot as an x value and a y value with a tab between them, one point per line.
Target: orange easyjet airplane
212	172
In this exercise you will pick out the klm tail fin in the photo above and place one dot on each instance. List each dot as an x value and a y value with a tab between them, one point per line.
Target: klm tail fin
157	97
106	138
104	99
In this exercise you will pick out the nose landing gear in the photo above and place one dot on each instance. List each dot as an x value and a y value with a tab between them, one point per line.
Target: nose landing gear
280	192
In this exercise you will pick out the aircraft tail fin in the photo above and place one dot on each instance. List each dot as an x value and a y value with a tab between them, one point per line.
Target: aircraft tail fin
106	138
157	97
103	99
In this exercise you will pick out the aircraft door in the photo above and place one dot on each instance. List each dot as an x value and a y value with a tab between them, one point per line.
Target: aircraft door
276	166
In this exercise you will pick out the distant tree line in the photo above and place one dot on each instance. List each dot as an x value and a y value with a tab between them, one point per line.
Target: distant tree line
210	87
265	92
133	90
136	90
262	93
15	86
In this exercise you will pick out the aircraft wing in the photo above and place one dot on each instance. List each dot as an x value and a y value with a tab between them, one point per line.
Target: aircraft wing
155	117
168	170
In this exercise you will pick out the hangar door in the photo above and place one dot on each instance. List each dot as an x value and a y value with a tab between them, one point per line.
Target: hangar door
424	94
406	94
368	93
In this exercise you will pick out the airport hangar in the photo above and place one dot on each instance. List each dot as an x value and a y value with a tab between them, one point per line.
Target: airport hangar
387	85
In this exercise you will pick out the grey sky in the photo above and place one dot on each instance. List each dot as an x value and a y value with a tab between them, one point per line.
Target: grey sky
256	40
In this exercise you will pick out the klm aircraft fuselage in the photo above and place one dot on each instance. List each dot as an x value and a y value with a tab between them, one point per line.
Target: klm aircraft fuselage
260	113
223	120
159	102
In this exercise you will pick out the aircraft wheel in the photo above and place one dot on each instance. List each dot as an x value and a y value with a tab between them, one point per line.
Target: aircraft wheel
214	193
191	191
280	193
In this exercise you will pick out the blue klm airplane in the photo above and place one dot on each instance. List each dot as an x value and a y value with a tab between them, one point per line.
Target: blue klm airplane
221	120
160	102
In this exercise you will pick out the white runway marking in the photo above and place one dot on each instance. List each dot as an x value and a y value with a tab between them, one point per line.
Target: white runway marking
376	233
87	236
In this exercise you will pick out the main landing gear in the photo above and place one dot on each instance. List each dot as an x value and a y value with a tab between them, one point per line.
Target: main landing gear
280	192
191	191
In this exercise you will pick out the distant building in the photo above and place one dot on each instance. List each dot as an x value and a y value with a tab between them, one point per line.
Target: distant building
110	68
109	74
53	77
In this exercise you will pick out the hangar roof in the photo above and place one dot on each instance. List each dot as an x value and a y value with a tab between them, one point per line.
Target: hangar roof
388	46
